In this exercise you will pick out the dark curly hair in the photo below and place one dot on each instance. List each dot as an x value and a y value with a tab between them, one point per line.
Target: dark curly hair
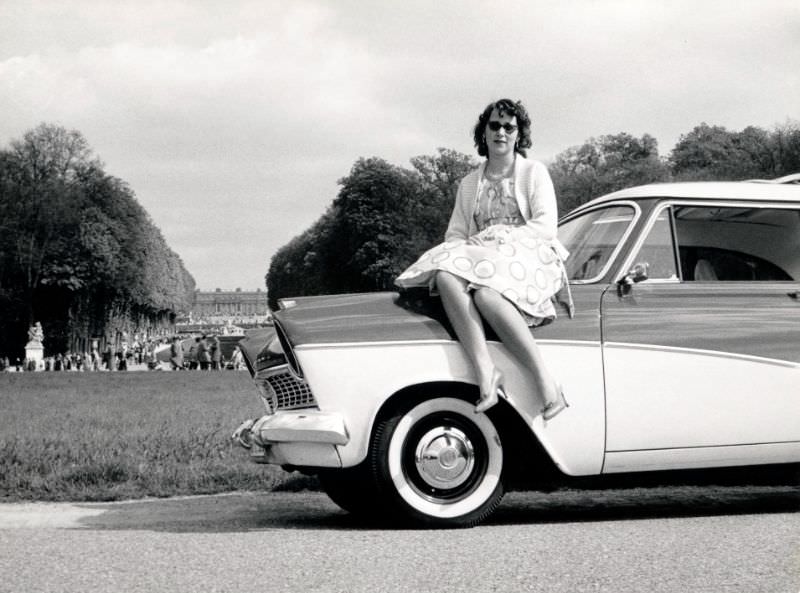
512	109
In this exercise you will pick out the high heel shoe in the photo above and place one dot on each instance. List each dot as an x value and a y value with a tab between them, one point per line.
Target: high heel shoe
553	409
491	398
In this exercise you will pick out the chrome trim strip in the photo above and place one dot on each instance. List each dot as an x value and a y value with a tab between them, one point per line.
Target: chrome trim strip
288	350
702	190
637	246
702	447
557	342
321	345
701	352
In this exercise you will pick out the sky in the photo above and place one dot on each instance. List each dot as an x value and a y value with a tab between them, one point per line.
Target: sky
232	121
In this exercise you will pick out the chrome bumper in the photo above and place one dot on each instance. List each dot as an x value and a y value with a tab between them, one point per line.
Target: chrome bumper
302	437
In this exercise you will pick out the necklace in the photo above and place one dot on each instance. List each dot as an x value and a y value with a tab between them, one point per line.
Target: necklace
498	176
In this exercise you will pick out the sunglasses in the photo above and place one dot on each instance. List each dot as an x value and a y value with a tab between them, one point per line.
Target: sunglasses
495	126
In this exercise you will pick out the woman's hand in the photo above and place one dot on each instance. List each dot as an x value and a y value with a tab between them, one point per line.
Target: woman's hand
497	232
522	231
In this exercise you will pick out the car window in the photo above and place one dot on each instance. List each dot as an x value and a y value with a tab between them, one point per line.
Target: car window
592	239
738	243
719	244
657	253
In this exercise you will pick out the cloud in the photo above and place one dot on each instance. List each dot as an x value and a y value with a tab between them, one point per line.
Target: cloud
206	130
240	117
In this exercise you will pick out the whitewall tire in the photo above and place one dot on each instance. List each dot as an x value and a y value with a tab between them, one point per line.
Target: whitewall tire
439	462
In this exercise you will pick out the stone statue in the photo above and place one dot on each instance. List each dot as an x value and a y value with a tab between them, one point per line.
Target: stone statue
35	333
34	351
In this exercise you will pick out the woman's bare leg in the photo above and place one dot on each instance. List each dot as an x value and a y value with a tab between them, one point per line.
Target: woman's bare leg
510	326
468	326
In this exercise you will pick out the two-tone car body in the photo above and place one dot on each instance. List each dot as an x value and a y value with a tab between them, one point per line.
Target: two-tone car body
683	353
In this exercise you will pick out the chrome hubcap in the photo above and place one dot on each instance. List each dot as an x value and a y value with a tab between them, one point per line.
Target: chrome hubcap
444	457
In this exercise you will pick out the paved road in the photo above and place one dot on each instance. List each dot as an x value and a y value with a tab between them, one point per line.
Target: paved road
659	540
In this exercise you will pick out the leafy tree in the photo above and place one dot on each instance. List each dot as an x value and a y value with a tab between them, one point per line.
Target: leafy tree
713	152
605	164
440	176
40	196
298	267
370	221
78	252
442	173
383	217
786	148
716	153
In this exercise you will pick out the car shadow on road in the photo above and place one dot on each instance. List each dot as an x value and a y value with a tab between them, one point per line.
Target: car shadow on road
644	503
252	511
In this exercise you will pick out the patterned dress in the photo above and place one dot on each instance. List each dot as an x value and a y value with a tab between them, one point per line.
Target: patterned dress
504	255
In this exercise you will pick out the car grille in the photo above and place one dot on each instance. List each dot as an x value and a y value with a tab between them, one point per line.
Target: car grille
282	391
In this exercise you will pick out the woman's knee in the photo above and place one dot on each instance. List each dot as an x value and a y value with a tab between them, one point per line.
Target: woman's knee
486	298
447	280
494	306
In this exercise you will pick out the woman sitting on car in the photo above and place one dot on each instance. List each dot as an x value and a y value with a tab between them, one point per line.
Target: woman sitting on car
501	261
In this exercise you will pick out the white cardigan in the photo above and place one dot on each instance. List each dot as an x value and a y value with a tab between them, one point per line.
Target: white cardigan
535	196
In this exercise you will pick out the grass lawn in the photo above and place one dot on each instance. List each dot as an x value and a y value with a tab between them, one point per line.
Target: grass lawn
67	436
109	436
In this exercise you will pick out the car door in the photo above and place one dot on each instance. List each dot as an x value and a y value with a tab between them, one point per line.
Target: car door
572	347
702	359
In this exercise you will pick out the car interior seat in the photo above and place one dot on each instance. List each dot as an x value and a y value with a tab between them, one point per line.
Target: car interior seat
703	270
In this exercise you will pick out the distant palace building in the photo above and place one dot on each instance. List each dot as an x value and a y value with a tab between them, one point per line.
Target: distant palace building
248	307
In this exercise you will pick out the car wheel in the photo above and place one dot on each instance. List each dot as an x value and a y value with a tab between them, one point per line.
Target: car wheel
353	489
439	463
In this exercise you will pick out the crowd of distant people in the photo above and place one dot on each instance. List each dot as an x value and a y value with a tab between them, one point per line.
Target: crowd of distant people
204	354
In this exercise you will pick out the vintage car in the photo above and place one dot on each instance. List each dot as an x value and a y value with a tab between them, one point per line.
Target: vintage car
683	353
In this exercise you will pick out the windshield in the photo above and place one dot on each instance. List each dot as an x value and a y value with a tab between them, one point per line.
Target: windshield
592	239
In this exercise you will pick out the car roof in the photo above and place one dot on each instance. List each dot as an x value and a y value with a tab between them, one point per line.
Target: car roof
756	190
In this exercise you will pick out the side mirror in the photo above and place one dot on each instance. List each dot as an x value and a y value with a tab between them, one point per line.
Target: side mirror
636	274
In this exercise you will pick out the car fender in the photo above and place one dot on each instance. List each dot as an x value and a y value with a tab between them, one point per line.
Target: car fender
357	379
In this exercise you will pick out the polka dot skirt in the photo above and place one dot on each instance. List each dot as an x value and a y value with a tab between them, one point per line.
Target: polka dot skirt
527	271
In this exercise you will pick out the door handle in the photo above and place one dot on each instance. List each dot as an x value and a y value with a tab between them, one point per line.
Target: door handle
794	295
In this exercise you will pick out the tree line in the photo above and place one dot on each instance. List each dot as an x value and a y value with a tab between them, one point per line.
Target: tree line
385	216
80	254
77	251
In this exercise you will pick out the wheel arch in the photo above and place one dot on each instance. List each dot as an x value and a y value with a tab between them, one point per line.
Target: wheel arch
530	468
